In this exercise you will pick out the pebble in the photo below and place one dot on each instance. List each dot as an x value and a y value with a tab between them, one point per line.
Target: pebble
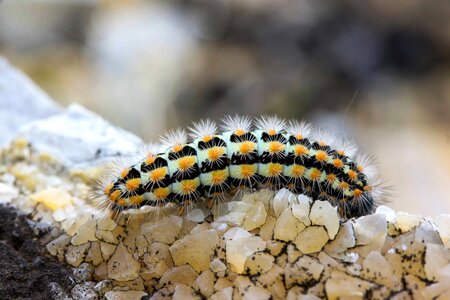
323	213
238	249
287	226
312	239
125	295
122	266
53	198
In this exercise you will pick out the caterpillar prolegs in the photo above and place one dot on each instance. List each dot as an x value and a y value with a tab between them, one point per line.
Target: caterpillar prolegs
248	155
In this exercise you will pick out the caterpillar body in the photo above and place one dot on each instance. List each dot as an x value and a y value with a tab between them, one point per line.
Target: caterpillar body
276	154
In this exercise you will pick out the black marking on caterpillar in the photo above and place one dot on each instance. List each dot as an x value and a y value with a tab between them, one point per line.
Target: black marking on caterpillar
276	154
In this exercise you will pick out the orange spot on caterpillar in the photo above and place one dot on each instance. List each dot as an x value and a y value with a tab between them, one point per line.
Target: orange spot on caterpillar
132	184
206	138
367	188
298	171
115	195
124	173
315	174
299	136
276	147
177	148
188	186
108	188
338	163
122	201
331	178
186	162
300	150
239	132
357	193
352	174
321	156
360	168
247	171
161	193
218	177
246	147
275	169
215	152
150	159
136	199
271	131
343	185
322	143
158	174
341	152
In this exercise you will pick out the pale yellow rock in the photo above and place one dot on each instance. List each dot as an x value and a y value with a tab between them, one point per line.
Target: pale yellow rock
344	239
259	263
377	269
107	250
106	223
436	258
273	281
323	213
154	271
57	247
266	230
370	228
75	254
342	286
122	266
195	250
225	294
274	247
249	291
86	232
157	252
183	292
302	208
312	239
406	222
305	270
237	251
94	255
255	217
165	230
292	253
287	226
281	201
53	198
222	283
217	265
106	236
443	225
205	282
124	295
183	274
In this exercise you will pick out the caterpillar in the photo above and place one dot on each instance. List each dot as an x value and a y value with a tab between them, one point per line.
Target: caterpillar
248	155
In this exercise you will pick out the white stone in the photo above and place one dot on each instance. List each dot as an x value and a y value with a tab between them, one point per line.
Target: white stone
344	239
443	225
323	213
124	295
225	294
377	269
94	256
259	263
249	291
205	282
196	250
287	226
340	286
406	222
281	201
302	209
107	250
122	266
86	232
255	217
182	274
266	230
436	258
305	270
183	292
370	228
312	239
236	233
165	230
7	193
106	223
390	214
427	233
196	215
75	254
217	265
238	249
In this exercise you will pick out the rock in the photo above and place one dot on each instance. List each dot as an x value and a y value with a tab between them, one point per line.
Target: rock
184	292
217	265
249	291
255	217
259	263
306	271
84	272
344	239
124	295
183	275
301	209
205	282
196	249
166	230
53	198
370	228
225	294
122	266
281	201
323	213
7	193
266	230
377	269
239	248
94	255
287	226
406	222
84	291
443	225
436	258
75	254
86	232
341	286
312	239
107	250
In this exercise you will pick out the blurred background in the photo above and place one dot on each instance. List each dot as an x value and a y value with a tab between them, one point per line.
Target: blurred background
376	71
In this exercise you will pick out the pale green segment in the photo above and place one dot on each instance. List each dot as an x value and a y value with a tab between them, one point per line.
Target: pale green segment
287	171
235	170
263	169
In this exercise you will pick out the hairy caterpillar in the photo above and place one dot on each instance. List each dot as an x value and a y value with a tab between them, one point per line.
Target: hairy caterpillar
276	154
